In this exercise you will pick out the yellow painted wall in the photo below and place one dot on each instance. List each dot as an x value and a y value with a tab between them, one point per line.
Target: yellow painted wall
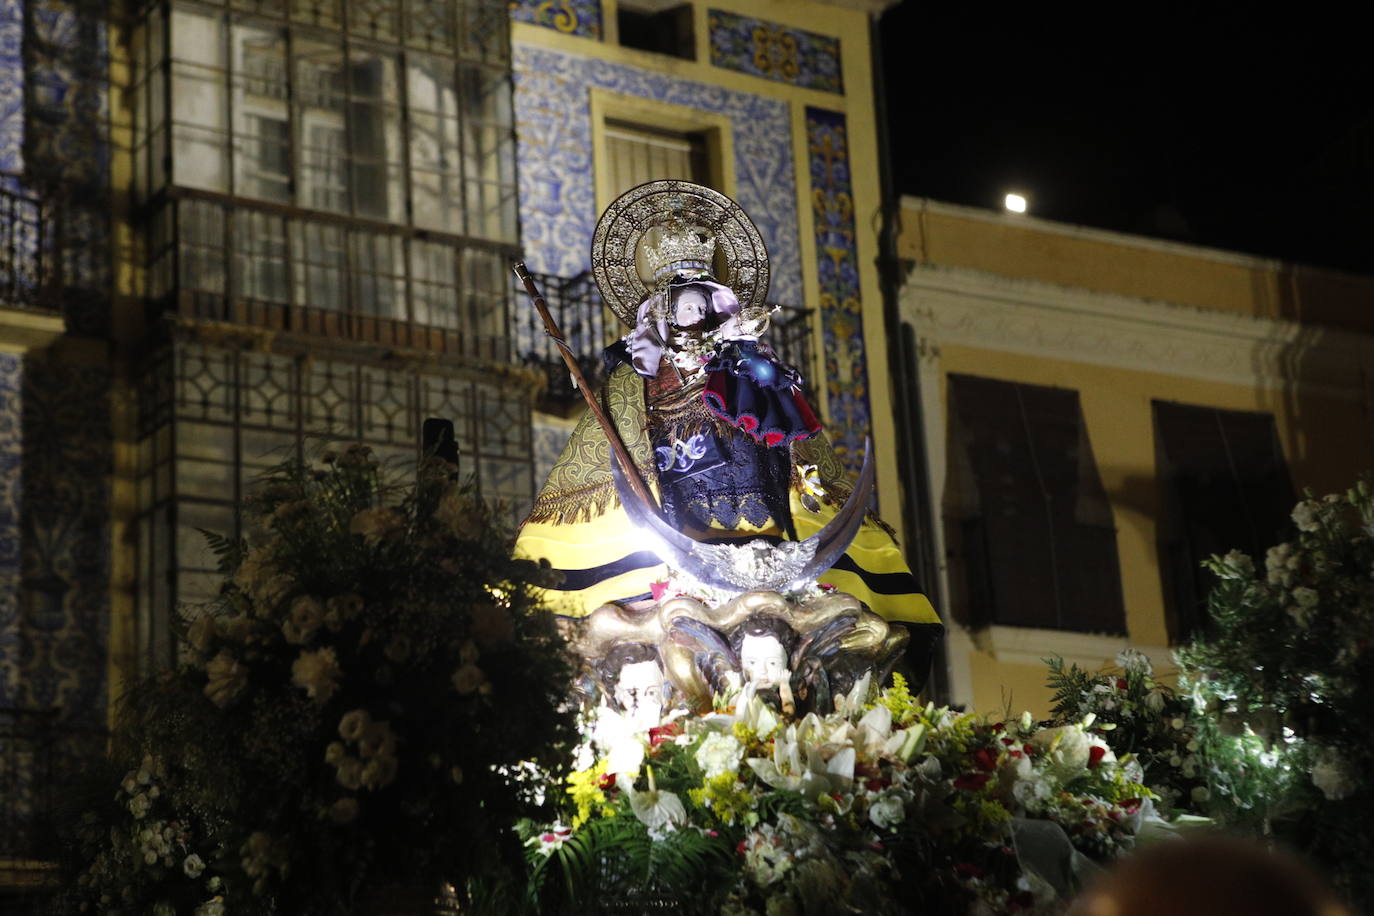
1017	246
1326	433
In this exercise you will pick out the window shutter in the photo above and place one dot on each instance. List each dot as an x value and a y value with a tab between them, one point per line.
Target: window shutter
1224	486
1035	530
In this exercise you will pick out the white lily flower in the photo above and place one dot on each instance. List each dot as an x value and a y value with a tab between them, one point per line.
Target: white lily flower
655	810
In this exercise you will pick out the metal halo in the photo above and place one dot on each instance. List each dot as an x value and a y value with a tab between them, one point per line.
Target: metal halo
615	243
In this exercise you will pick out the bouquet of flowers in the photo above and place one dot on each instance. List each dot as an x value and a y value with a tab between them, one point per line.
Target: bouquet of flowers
886	805
353	709
1136	714
1284	682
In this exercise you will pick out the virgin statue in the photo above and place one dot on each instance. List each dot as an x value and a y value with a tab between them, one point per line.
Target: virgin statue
717	426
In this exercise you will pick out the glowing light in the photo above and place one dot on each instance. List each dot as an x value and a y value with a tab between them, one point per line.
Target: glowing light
1016	203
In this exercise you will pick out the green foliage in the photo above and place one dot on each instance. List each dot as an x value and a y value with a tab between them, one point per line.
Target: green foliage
352	711
1138	716
1283	678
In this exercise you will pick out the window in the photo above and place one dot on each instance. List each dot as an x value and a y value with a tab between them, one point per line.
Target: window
419	132
657	26
1224	486
637	154
1031	535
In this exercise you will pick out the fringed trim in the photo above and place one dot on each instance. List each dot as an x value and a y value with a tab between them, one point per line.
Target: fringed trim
571	507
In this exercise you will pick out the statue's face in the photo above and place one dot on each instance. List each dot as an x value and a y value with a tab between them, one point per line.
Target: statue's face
640	693
691	308
763	660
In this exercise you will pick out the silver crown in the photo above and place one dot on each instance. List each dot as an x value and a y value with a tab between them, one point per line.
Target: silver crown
680	247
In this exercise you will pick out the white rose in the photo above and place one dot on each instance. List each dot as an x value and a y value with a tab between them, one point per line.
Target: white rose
317	673
719	753
1305	515
468	679
1305	597
227	678
353	724
305	617
193	866
887	811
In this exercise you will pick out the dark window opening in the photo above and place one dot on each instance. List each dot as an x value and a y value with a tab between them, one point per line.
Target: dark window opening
1031	537
1224	486
650	27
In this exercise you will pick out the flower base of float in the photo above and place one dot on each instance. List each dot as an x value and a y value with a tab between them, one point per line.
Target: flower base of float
740	757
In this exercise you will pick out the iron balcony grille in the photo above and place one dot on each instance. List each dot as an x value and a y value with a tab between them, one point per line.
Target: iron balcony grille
589	327
283	269
24	280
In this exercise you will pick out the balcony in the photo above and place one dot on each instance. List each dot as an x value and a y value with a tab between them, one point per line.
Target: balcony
588	327
282	269
29	318
38	754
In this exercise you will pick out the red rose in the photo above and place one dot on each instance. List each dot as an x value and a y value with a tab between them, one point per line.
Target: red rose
607	781
1095	755
1121	683
971	781
985	758
661	733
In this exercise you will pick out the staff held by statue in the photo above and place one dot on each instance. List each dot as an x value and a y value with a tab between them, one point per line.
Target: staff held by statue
632	476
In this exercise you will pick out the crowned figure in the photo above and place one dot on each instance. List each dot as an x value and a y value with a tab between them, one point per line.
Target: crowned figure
750	495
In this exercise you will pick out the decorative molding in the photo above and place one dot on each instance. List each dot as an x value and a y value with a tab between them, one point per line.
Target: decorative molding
554	149
1030	646
775	52
837	267
976	309
571	17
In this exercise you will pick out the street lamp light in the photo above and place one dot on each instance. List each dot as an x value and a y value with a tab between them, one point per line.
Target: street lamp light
1015	203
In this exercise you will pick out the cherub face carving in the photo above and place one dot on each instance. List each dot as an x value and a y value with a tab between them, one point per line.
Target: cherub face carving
763	660
639	691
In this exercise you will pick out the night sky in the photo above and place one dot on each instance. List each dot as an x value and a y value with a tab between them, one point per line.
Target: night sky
1230	127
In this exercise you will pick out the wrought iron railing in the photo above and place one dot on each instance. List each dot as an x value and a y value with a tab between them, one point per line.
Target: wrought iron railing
232	260
23	268
588	327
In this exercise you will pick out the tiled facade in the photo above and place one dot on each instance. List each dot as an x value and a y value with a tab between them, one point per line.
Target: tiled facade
557	187
841	308
776	52
571	17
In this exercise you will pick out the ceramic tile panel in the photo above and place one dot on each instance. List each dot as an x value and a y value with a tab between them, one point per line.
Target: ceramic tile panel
571	17
11	86
841	310
776	52
557	188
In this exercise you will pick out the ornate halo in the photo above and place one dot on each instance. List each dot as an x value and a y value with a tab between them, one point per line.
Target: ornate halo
615	244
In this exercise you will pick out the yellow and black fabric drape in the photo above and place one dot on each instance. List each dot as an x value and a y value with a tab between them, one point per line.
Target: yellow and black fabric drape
579	527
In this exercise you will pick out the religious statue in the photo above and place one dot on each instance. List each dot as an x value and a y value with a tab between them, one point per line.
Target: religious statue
723	495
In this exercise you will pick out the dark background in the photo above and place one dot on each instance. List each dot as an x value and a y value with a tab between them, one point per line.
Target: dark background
1226	126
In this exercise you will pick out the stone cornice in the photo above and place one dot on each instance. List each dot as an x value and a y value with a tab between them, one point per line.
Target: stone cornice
956	306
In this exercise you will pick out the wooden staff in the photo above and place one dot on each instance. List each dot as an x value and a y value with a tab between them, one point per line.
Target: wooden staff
618	449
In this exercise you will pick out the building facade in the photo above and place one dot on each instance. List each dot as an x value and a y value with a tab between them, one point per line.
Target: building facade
234	229
1102	412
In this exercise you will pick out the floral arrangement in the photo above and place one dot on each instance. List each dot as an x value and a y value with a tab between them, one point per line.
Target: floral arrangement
1136	714
351	710
1283	682
886	805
